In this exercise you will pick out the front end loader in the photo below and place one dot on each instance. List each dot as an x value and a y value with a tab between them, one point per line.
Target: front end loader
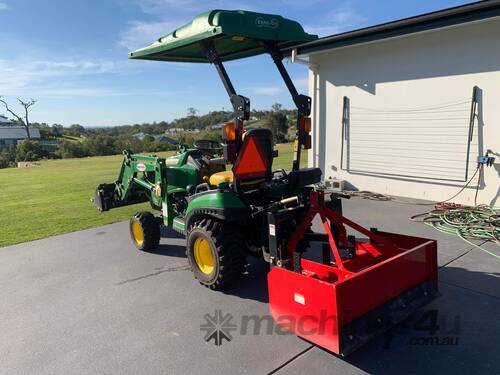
230	203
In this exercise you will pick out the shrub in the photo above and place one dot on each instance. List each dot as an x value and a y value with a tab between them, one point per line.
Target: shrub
28	150
68	149
7	157
100	145
278	123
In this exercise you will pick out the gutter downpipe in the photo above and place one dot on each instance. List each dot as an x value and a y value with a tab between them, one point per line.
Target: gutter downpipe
313	67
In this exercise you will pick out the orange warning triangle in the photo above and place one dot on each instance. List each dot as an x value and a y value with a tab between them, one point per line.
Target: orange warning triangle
251	163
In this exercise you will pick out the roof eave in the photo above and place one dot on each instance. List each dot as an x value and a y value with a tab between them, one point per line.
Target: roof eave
429	21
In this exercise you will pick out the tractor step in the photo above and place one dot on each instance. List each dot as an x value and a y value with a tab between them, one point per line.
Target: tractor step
179	225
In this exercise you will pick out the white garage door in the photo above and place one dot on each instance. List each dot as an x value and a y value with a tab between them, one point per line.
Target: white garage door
437	142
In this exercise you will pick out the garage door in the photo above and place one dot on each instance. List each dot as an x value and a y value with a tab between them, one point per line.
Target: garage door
438	141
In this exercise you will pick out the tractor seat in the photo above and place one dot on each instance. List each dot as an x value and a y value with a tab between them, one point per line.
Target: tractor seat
220	177
228	176
254	161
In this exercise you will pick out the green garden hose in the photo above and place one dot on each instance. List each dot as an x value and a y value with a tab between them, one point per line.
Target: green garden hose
480	222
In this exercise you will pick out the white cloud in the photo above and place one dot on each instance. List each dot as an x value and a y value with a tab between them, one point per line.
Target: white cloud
339	19
72	91
165	7
169	15
3	6
270	90
92	91
72	67
140	34
34	78
155	6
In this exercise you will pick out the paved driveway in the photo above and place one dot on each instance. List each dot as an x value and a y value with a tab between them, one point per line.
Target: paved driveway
86	302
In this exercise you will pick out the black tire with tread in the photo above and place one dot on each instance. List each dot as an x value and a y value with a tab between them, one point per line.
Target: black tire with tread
151	229
229	247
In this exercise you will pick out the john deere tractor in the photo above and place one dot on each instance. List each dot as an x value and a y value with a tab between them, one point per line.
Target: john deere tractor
221	210
364	286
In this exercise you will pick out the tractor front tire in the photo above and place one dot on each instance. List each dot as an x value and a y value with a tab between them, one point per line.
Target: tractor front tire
145	231
215	252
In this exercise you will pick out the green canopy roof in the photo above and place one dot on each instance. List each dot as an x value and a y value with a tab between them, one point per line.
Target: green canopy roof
234	33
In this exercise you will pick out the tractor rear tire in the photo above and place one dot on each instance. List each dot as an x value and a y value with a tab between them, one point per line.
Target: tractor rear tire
216	253
145	230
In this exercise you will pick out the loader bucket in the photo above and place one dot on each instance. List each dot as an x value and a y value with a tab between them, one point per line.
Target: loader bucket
103	197
341	304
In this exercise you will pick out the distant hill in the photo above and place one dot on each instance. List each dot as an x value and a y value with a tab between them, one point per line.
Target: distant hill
208	122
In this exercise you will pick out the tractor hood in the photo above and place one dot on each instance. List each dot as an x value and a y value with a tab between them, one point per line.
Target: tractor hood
235	33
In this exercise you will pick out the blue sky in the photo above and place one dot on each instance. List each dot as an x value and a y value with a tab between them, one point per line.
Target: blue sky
71	55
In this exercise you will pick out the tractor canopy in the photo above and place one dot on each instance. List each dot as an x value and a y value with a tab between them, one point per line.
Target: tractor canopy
235	34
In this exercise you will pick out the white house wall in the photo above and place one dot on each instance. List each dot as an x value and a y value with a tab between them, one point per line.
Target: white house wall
421	70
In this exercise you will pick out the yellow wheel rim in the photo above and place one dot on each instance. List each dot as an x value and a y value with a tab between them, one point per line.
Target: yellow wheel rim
137	233
203	256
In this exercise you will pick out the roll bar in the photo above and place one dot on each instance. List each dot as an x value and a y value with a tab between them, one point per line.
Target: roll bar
241	104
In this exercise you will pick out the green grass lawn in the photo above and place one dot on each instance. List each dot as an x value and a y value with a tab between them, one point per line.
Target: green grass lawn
54	197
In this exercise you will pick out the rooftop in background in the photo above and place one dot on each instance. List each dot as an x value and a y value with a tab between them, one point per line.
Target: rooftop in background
17	132
473	12
157	137
5	121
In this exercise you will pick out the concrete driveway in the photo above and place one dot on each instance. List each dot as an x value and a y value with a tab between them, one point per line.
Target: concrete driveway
87	302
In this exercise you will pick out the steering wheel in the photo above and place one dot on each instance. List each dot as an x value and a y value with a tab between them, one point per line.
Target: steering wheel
208	146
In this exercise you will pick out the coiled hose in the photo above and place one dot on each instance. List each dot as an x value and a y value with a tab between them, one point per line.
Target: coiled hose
480	222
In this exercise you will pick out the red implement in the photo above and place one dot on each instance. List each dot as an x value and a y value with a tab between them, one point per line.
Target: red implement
340	304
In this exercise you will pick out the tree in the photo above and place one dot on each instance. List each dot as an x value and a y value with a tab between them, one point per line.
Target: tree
76	130
128	142
70	149
56	130
278	123
100	145
192	112
23	120
148	138
276	107
28	150
7	157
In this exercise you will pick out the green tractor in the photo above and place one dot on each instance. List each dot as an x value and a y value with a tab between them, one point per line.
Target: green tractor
220	210
363	286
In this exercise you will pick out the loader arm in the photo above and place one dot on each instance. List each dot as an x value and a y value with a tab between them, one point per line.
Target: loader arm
142	178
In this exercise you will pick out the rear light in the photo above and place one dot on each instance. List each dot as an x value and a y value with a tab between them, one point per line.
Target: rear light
304	130
305	124
229	132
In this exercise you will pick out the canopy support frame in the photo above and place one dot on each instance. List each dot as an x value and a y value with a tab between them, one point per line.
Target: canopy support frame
302	102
